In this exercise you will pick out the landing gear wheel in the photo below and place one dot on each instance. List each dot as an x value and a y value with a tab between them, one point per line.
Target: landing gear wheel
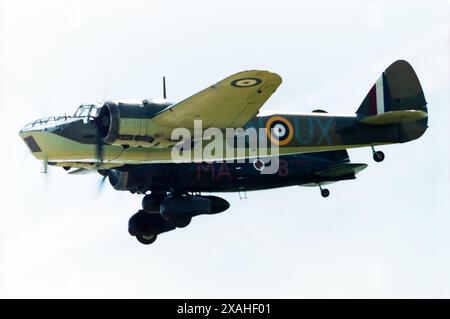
146	239
182	222
378	156
324	192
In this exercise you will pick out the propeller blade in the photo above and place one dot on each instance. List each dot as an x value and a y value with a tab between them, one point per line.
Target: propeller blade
79	171
99	152
101	184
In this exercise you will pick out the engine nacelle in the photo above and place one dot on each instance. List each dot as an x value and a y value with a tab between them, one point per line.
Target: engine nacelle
178	207
218	204
151	203
119	179
129	123
140	179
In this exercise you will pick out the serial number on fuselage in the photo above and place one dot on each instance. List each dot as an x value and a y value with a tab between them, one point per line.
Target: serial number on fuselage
222	171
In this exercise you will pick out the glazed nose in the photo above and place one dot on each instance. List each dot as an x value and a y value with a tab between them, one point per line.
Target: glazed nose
29	127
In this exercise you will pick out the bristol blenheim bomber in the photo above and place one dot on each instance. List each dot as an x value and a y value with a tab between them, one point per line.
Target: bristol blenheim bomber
132	143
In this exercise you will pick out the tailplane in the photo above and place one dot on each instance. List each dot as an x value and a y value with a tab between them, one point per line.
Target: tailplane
338	168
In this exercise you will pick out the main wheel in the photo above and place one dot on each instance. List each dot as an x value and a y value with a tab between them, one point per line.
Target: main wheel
146	239
325	192
378	156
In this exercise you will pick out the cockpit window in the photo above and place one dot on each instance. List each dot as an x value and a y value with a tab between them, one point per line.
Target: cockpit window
94	111
86	110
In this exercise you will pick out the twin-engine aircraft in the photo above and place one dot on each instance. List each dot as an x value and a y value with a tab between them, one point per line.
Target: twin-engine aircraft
133	142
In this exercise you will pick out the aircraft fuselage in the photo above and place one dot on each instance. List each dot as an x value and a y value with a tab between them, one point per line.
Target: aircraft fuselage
71	141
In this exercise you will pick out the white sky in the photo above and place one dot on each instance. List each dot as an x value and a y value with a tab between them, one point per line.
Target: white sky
384	235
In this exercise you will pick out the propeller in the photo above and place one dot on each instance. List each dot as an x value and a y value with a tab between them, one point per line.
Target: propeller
101	184
99	151
103	172
99	122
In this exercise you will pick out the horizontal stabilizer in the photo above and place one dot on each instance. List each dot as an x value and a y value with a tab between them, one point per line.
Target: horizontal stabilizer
395	117
340	170
335	156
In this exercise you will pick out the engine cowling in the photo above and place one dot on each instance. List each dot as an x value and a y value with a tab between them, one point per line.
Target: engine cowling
151	203
129	123
140	179
218	204
176	207
119	179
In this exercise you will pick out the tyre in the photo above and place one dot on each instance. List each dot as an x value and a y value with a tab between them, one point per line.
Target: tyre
378	156
325	192
146	239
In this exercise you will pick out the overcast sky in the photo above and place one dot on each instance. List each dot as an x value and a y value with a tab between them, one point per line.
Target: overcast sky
384	235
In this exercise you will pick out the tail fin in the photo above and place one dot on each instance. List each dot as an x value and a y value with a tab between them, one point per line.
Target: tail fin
396	97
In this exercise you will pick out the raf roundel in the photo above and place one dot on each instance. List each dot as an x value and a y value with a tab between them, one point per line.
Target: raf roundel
279	130
258	164
245	82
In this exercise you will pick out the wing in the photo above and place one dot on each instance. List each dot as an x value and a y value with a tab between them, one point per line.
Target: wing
231	102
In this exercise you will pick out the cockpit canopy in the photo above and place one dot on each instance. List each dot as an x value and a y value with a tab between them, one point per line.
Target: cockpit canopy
87	110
